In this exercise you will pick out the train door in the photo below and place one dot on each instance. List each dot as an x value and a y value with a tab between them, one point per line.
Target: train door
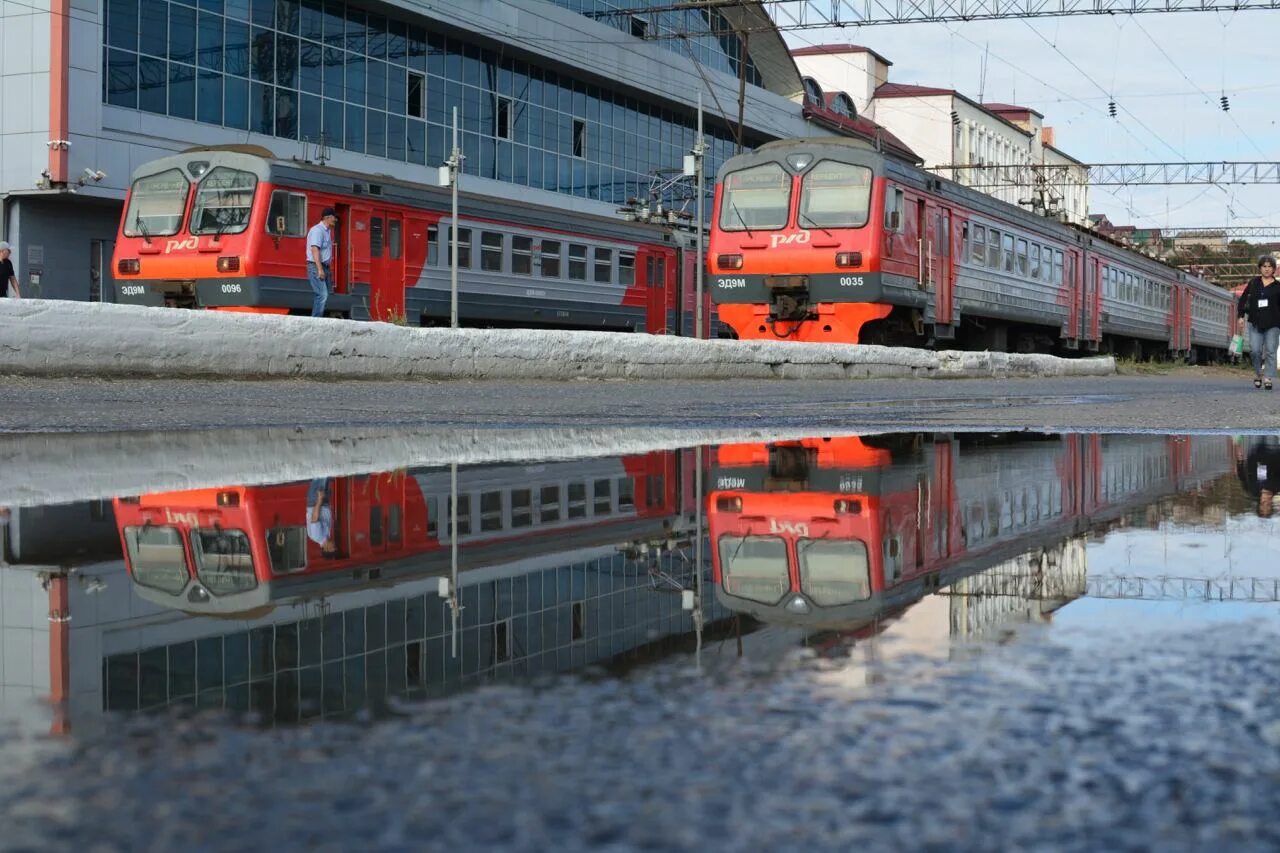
386	266
655	285
921	238
941	268
1093	301
342	249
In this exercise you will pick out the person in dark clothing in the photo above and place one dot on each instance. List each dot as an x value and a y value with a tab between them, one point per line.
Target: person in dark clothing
1259	472
1259	313
8	278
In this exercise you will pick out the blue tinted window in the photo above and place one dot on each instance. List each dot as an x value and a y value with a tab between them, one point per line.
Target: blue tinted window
122	79
377	34
209	97
236	103
153	33
122	24
210	41
182	90
236	52
153	85
376	84
417	49
263	12
263	55
309	118
416	143
286	114
287	61
356	38
395	137
288	16
397	87
353	139
375	143
311	72
437	144
238	9
334	24
355	91
182	34
332	123
312	19
262	102
335	73
211	6
397	42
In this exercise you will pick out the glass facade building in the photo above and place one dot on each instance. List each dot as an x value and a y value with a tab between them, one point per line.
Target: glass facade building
333	72
540	623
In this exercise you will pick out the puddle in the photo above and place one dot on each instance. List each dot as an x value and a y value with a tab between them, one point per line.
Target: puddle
847	577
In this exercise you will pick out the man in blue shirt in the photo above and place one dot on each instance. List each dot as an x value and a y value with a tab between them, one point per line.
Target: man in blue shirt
319	255
320	517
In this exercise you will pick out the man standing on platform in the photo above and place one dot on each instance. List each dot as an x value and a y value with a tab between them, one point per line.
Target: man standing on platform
8	278
319	255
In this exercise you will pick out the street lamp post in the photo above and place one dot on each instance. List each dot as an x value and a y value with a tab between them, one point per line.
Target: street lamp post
693	164
454	164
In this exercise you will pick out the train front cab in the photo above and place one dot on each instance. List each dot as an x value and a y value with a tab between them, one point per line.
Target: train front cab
795	246
231	550
823	532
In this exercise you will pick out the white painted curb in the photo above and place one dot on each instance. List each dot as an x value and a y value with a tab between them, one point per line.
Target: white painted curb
40	337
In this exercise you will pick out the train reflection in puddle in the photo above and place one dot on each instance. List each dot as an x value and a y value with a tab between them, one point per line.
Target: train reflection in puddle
235	599
847	534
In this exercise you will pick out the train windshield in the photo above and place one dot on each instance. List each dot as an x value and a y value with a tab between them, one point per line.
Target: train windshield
834	571
754	567
156	555
756	198
156	205
835	195
224	563
224	200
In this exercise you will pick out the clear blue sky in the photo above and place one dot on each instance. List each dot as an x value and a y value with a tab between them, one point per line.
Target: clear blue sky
1168	106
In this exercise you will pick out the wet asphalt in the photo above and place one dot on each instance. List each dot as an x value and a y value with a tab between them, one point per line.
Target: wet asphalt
1104	740
1181	399
1124	729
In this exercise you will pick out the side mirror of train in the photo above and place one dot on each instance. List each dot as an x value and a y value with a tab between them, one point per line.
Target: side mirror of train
895	220
281	226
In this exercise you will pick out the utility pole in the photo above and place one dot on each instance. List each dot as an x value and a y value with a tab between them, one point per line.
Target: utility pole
455	175
693	166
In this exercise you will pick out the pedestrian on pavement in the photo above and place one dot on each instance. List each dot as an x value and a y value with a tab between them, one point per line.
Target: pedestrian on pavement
1259	313
319	256
320	516
8	278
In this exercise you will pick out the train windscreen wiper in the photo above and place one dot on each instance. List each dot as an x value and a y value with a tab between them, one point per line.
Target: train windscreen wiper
738	213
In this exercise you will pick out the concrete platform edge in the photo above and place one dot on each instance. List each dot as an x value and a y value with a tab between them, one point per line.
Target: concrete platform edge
60	338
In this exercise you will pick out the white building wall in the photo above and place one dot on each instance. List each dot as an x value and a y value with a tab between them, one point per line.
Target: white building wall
924	124
856	73
24	92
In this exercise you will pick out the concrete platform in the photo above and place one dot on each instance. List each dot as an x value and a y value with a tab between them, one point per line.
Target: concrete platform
57	338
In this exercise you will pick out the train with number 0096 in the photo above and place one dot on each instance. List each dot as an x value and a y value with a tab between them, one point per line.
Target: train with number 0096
835	240
225	228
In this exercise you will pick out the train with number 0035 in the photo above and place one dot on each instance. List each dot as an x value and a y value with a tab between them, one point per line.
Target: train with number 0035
841	241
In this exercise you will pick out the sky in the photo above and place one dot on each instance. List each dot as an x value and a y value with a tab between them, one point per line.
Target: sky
1167	102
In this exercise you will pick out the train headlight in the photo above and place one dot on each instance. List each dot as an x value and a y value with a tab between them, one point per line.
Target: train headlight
729	262
229	263
128	266
729	504
848	259
848	507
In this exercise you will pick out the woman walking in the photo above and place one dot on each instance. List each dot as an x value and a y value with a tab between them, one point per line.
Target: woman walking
1259	311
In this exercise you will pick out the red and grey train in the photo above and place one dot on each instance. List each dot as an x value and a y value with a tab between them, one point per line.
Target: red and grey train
240	549
831	240
830	533
225	228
